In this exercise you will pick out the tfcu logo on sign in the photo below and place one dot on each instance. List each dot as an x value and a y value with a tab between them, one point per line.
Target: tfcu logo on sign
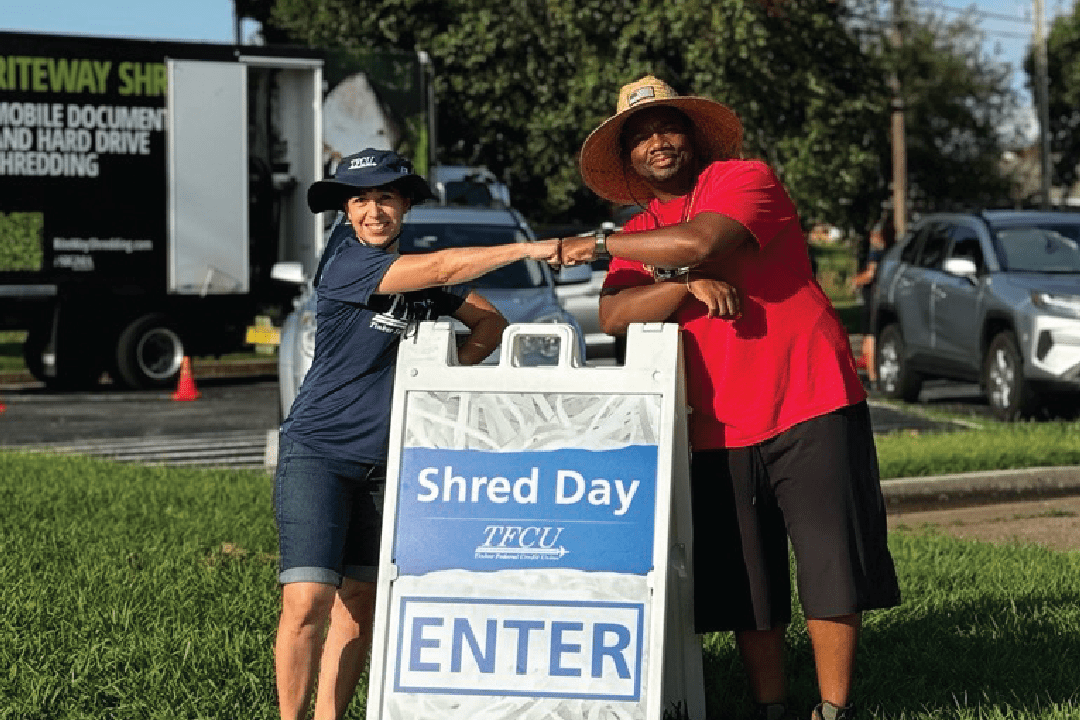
487	511
521	542
586	649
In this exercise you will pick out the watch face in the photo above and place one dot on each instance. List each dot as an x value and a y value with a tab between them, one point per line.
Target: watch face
668	273
601	243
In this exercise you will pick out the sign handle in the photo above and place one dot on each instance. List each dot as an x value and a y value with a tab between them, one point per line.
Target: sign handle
520	338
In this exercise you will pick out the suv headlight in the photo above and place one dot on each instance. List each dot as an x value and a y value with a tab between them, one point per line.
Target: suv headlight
1067	305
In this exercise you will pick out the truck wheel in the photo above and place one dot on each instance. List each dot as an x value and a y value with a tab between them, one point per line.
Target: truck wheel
74	369
149	353
1007	390
895	377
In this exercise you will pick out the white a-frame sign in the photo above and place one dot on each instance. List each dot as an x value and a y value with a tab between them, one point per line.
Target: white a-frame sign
536	547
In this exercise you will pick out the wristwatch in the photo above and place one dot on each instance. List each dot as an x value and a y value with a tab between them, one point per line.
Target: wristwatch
600	249
669	273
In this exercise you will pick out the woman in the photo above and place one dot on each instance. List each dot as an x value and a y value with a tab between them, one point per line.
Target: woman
333	446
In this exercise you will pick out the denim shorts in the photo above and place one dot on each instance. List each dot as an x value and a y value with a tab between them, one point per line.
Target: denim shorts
329	515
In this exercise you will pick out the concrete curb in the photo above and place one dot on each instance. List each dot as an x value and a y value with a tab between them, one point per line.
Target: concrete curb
979	488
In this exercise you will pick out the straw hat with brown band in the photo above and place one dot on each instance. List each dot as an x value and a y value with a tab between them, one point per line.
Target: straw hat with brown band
717	136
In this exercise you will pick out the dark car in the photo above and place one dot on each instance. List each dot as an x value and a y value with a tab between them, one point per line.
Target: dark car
991	297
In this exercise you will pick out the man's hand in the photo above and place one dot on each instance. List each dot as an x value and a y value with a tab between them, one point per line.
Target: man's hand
545	251
578	249
719	296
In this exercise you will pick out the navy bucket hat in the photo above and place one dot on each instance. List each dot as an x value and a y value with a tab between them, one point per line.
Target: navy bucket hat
367	169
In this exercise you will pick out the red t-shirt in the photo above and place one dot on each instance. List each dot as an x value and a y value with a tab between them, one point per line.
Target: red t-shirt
787	359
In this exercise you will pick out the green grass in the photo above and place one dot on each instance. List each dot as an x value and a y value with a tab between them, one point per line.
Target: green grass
989	445
11	355
149	592
984	632
133	592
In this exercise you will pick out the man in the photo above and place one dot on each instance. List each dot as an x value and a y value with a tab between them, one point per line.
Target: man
780	431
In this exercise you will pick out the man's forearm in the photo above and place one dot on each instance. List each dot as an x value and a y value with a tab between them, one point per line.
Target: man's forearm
707	236
645	303
669	247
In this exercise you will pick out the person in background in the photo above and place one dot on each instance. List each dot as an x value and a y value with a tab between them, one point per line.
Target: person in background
333	445
864	282
782	446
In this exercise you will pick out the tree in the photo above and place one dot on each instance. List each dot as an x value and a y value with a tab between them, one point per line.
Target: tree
956	102
1063	74
520	83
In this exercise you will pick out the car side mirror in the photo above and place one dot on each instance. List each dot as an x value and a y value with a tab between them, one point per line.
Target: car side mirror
962	266
288	272
573	274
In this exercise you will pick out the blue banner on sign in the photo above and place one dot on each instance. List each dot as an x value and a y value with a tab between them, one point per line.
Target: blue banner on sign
485	511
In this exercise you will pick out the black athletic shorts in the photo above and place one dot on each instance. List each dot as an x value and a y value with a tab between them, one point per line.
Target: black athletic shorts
816	484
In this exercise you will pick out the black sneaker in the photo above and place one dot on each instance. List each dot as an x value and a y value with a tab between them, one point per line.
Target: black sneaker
828	711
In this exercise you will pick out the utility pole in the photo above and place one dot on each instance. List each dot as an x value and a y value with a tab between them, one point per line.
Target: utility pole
898	134
1041	95
236	24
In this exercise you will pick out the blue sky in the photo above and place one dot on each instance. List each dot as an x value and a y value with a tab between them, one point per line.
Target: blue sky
1007	23
158	19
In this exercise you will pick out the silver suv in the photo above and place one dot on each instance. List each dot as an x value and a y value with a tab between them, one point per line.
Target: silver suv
991	297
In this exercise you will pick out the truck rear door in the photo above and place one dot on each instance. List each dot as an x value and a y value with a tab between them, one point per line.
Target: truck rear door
208	188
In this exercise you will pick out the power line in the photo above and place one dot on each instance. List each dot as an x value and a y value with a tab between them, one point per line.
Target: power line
983	14
882	24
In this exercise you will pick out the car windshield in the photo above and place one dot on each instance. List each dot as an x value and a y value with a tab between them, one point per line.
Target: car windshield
421	237
1049	248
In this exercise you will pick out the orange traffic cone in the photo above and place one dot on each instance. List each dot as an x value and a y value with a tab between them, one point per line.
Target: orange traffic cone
185	388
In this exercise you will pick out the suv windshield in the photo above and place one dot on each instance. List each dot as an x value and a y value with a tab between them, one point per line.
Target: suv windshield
1046	248
422	237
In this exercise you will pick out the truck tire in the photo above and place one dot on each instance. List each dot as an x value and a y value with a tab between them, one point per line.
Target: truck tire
77	368
895	377
33	346
149	353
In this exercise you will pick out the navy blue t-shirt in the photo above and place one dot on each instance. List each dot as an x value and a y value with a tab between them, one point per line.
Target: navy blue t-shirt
343	406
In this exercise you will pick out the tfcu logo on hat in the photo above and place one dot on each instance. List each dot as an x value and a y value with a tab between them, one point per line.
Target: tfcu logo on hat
362	162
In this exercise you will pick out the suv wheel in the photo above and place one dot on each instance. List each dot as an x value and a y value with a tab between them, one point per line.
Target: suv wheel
1003	377
895	377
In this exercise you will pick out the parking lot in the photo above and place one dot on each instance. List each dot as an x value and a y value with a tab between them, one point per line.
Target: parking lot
241	405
